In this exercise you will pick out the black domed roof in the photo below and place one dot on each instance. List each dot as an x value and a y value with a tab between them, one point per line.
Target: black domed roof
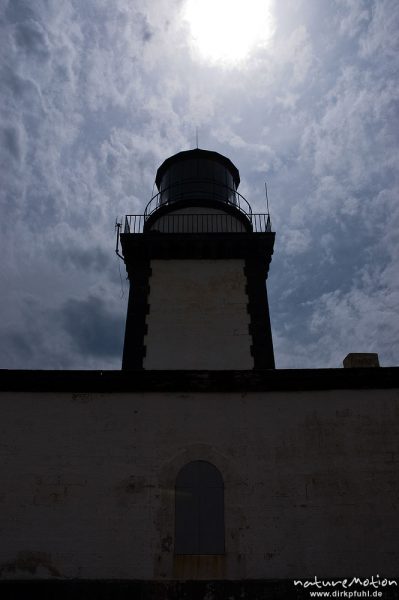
195	154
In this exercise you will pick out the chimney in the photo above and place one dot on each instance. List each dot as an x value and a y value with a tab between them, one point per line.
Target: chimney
361	359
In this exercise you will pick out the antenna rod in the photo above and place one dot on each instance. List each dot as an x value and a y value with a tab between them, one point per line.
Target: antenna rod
267	198
196	136
118	231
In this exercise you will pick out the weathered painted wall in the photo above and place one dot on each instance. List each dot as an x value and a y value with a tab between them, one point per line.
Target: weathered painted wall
311	482
198	316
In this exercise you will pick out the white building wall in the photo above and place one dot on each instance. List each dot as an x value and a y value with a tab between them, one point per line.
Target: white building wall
198	317
311	486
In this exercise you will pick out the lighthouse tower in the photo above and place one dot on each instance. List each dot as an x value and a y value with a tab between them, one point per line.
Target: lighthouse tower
197	262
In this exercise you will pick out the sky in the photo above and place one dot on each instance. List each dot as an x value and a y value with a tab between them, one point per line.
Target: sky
95	95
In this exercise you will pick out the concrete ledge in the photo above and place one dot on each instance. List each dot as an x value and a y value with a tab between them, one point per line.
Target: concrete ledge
199	381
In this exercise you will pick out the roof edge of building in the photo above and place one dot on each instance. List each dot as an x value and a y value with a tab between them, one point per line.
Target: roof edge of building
198	381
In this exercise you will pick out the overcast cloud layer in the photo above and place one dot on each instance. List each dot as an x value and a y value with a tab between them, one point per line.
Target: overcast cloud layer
96	94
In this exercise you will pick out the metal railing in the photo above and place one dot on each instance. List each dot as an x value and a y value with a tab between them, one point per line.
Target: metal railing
199	223
198	189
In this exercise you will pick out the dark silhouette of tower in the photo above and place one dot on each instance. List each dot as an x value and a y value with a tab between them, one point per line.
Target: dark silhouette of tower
185	474
197	261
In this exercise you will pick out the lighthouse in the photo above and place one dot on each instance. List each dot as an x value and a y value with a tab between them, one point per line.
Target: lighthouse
197	261
198	470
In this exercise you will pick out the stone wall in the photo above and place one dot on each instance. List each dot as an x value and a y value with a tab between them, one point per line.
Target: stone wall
311	482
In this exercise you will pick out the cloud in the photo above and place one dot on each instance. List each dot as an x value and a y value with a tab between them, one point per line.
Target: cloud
96	95
32	39
355	16
92	327
381	39
11	141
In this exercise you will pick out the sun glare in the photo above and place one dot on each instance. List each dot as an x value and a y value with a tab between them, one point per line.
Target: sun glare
227	30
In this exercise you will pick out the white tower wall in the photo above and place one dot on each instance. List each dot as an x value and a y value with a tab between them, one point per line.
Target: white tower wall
198	317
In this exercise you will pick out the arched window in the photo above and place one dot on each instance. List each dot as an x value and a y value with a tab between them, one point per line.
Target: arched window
199	503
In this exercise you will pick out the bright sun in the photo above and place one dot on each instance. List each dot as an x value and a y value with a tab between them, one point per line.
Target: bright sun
227	30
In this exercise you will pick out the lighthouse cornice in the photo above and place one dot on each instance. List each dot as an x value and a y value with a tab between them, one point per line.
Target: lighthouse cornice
198	246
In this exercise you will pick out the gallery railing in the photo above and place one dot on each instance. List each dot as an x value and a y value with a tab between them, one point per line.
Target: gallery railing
198	190
198	223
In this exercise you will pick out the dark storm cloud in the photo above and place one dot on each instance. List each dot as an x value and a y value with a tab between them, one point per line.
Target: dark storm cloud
20	88
18	10
86	259
19	345
92	327
10	140
32	39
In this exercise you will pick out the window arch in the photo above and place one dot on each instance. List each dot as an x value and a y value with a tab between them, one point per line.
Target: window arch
199	509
